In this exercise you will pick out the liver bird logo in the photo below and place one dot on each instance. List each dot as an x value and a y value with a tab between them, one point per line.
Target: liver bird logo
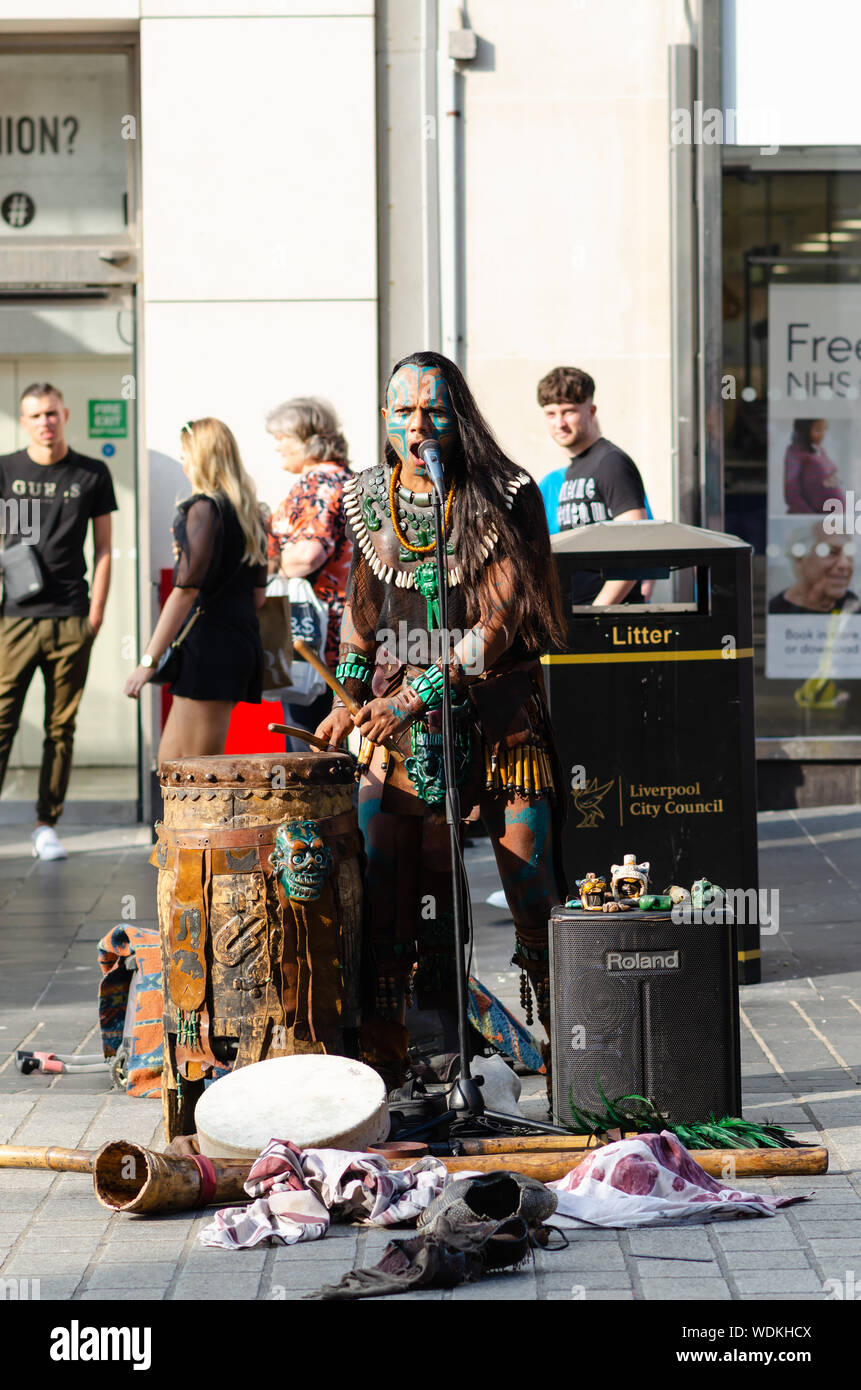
588	802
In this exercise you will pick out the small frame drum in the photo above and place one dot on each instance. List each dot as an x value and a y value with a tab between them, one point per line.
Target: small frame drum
259	908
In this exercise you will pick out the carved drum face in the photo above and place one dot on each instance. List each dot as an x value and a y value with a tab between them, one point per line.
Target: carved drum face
301	859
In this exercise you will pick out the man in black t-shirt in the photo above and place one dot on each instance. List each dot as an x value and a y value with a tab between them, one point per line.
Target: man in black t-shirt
49	494
600	483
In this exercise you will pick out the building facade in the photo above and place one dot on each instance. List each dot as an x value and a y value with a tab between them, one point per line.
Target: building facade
204	212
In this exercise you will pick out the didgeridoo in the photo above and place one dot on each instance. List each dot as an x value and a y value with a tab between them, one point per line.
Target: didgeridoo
308	654
718	1163
536	1143
130	1178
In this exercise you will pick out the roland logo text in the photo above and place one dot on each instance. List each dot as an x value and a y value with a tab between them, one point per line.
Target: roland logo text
642	960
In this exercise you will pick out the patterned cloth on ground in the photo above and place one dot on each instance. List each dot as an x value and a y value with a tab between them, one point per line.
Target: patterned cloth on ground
651	1181
145	1030
299	1192
489	1016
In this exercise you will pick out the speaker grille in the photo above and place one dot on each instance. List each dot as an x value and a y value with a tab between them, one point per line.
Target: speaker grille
648	1007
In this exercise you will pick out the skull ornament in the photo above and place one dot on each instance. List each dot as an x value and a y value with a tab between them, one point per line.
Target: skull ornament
301	859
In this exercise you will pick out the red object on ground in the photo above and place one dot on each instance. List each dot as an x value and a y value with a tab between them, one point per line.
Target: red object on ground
248	732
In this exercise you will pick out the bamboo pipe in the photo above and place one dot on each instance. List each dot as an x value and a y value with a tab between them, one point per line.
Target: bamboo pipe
56	1159
549	1167
308	654
536	1143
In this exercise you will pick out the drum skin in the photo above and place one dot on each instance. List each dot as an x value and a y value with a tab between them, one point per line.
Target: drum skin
254	969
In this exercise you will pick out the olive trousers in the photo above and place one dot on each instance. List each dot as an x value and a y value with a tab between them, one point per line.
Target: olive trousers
59	648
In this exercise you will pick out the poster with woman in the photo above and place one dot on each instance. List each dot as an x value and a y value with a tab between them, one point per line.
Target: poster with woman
813	612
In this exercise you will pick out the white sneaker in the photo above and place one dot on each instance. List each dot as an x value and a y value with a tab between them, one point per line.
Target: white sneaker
46	843
498	899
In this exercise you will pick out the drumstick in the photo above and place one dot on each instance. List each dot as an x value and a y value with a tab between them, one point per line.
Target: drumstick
308	654
298	733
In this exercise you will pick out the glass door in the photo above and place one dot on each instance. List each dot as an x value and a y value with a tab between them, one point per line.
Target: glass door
85	347
792	417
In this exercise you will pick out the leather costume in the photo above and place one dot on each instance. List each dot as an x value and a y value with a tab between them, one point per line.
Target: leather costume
504	749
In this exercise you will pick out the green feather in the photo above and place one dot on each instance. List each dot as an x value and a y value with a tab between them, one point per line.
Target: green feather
644	1116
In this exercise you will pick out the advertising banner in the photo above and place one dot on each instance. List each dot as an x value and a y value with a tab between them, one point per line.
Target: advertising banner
813	624
65	129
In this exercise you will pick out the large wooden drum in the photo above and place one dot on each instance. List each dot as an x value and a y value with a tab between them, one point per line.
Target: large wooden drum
259	906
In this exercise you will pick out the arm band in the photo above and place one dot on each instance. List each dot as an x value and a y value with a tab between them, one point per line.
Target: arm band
429	687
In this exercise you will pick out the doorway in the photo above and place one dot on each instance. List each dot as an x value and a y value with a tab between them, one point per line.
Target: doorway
84	343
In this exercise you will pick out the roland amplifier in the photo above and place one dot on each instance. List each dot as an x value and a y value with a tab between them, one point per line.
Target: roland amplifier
645	1006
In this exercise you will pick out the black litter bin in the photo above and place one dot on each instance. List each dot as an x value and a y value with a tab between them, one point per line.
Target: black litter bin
652	709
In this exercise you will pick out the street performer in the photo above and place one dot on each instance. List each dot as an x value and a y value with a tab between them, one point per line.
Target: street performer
504	611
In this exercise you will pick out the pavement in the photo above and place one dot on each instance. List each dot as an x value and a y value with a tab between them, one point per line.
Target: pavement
801	1063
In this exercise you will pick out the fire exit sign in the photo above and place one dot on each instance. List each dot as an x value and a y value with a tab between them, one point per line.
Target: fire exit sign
108	420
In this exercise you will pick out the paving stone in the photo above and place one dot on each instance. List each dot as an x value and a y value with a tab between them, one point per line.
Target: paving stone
497	1287
132	1276
836	1249
687	1289
585	1278
776	1295
610	1295
123	1295
777	1280
674	1269
670	1242
832	1230
755	1259
205	1258
593	1256
56	1288
45	1264
240	1286
155	1252
126	1230
758	1233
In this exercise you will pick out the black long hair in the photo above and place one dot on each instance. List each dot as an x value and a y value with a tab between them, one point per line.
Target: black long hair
801	433
481	473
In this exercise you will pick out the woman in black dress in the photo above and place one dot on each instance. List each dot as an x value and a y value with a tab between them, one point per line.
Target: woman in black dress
220	548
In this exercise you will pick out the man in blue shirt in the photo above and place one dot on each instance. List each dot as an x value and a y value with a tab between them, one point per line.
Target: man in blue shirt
600	481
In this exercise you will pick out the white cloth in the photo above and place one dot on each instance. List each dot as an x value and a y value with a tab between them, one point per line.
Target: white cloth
299	1192
651	1181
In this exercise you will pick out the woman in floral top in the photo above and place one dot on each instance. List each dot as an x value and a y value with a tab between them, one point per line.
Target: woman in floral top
307	532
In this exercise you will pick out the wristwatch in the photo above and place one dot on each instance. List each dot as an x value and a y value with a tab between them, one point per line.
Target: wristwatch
147	661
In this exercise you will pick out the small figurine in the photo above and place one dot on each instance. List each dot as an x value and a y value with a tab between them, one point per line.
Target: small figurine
573	902
678	894
703	892
629	879
620	905
655	902
592	890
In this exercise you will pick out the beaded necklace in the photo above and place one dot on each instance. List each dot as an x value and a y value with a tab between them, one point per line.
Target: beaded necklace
407	544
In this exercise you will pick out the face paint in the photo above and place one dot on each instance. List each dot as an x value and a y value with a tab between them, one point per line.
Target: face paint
418	406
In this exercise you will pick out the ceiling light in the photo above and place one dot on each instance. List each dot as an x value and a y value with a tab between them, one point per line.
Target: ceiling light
810	246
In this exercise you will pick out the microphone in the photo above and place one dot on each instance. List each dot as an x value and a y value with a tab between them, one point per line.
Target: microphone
428	452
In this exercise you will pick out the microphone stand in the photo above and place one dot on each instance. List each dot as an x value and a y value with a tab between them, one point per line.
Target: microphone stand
466	1113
